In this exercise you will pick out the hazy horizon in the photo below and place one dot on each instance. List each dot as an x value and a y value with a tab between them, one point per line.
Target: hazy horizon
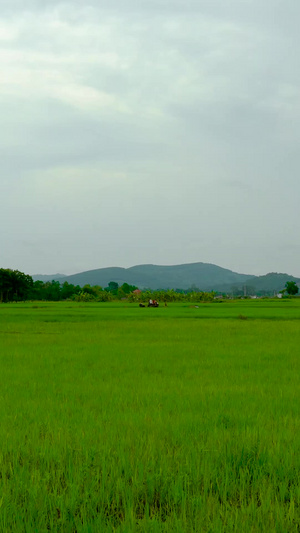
150	132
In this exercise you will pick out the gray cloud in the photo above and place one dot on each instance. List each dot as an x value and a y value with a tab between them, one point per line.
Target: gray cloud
162	131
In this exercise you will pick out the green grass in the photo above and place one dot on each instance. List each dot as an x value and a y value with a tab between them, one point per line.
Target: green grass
177	419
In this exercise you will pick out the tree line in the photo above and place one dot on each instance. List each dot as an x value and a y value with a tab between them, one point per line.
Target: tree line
17	286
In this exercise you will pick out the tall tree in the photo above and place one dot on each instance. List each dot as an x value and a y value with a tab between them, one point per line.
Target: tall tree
14	285
291	288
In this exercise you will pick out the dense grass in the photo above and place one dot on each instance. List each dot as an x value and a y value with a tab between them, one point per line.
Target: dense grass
178	419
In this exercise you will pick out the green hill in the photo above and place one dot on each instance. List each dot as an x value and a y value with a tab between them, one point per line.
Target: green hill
203	276
272	282
47	277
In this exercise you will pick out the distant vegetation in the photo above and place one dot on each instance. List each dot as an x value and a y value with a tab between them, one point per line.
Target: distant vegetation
202	276
17	286
291	288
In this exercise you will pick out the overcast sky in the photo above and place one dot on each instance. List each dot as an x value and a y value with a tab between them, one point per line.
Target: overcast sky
150	131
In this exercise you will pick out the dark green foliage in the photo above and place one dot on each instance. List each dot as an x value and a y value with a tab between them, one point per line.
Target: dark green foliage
112	287
53	291
127	289
14	285
291	288
68	290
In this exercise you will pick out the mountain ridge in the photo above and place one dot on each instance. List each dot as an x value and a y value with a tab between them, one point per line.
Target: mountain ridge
203	276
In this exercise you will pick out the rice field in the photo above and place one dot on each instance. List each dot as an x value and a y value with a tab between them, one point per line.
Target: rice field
176	419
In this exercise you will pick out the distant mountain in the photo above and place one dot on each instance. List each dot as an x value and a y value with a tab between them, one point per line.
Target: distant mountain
47	277
272	282
204	276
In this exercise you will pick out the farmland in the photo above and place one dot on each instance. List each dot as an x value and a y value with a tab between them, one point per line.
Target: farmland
176	419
